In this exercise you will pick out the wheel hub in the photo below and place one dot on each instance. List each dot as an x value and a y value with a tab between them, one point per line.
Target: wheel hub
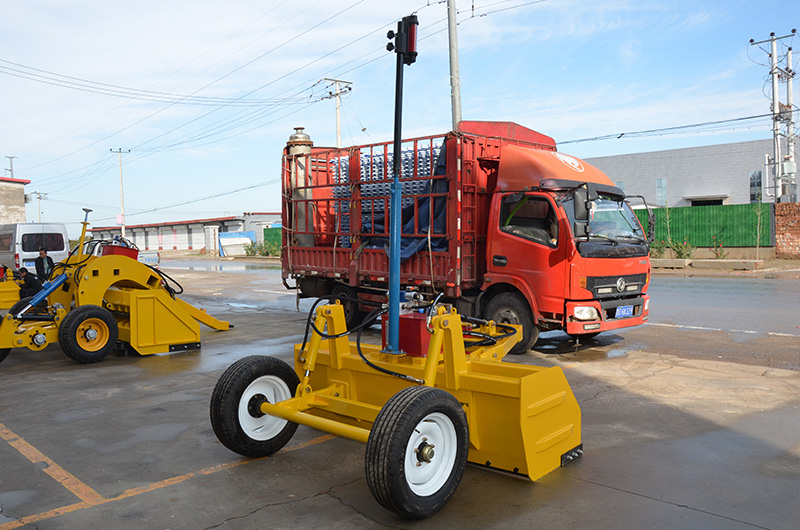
90	334
424	452
254	405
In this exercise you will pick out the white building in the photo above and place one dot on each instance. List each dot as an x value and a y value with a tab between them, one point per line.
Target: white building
716	174
188	235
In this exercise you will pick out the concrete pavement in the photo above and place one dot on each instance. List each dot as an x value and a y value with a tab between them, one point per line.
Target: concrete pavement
670	443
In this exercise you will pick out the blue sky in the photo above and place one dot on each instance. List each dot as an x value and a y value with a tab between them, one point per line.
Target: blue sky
233	78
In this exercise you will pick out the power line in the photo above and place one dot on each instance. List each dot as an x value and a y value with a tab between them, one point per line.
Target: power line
662	130
95	87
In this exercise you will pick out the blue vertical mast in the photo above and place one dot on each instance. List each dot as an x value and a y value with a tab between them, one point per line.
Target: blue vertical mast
406	47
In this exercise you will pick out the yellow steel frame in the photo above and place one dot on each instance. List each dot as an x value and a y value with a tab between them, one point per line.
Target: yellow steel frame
521	418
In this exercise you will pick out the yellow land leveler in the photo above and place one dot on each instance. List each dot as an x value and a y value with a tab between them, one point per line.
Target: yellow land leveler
93	302
423	414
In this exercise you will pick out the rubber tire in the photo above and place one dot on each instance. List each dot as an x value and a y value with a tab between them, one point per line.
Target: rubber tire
68	333
396	430
510	308
234	389
4	353
352	315
20	305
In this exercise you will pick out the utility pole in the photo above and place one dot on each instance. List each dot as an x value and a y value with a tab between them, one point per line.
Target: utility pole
121	194
11	163
337	93
784	169
455	78
39	197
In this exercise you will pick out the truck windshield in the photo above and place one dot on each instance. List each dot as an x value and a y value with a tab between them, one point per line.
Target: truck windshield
610	218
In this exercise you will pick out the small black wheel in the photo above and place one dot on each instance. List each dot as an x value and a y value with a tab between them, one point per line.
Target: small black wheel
4	353
88	333
417	451
510	308
235	405
353	316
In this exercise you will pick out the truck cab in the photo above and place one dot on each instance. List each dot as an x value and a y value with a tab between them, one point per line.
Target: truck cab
562	237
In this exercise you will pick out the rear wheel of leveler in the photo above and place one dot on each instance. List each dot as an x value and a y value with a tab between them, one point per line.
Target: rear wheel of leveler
236	405
511	308
353	316
88	333
417	451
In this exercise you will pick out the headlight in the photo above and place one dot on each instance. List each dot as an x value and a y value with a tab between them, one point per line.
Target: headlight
586	313
647	305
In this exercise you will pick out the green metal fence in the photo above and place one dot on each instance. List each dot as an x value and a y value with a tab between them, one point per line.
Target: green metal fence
734	225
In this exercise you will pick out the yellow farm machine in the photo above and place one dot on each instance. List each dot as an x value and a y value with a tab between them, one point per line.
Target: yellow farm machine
93	302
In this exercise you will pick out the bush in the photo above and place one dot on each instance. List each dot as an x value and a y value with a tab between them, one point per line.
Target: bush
658	248
682	250
263	249
718	248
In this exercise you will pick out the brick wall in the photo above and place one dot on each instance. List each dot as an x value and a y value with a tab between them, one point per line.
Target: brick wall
12	202
787	230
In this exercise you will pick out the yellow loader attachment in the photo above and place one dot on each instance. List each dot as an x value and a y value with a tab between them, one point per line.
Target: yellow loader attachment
422	416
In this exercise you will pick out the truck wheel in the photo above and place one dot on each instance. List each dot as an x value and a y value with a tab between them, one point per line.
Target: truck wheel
4	353
352	315
235	405
417	451
88	333
510	308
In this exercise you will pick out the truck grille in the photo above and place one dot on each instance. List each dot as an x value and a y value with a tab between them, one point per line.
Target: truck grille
616	286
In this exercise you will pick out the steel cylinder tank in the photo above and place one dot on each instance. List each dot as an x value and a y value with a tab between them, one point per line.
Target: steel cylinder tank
299	149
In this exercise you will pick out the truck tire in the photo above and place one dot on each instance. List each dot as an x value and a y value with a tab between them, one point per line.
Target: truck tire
235	414
510	308
353	316
417	451
88	333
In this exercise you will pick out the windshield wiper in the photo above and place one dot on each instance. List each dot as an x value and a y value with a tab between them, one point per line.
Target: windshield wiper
634	236
601	236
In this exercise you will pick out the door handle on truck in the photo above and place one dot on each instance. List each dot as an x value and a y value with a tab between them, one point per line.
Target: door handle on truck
500	261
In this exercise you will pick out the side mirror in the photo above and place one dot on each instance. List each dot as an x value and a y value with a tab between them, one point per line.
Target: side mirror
580	204
580	229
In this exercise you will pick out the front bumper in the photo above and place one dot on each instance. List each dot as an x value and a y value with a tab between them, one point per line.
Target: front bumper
607	311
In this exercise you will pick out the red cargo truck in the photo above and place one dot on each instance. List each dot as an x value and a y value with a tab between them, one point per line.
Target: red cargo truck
494	218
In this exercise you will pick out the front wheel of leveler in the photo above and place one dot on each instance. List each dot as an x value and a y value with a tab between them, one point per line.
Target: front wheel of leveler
236	405
88	333
416	451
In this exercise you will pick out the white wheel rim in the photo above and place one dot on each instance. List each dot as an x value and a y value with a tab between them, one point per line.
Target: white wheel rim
426	478
265	427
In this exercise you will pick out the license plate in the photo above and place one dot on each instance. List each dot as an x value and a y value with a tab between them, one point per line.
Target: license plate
28	264
624	311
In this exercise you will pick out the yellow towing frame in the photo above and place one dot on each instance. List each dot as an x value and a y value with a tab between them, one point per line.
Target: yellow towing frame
521	419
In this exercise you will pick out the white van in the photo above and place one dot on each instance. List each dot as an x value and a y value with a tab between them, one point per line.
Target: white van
20	243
